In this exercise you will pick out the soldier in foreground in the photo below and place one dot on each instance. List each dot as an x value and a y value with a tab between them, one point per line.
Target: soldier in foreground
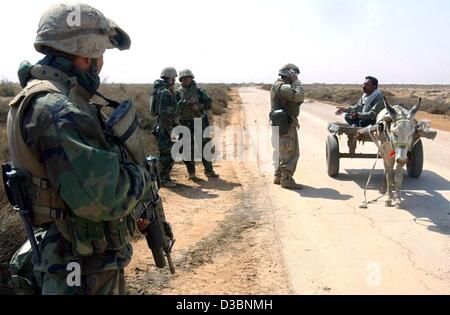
193	104
79	186
286	97
365	112
164	107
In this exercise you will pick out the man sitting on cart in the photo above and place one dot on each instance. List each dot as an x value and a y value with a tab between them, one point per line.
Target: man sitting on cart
365	112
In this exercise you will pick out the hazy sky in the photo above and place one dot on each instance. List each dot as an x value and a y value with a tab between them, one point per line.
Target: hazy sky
332	41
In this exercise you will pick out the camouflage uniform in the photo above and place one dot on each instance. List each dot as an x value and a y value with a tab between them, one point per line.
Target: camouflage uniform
287	96
81	178
167	115
188	97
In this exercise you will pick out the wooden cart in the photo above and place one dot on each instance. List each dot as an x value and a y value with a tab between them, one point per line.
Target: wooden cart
333	154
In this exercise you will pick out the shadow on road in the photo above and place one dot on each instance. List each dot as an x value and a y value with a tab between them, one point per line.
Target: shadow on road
201	190
217	183
322	193
422	196
192	192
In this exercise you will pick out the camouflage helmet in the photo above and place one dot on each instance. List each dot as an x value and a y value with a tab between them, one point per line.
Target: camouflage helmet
169	72
186	73
79	29
289	69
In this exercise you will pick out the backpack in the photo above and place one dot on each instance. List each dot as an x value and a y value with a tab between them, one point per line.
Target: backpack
154	106
24	280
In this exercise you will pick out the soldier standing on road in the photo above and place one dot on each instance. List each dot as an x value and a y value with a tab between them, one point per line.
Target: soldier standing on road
164	106
193	104
81	188
286	97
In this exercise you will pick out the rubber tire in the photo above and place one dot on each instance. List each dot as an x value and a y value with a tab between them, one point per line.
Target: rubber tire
415	161
333	155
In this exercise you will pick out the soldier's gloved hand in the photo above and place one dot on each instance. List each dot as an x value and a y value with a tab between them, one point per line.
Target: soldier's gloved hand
354	115
142	224
195	107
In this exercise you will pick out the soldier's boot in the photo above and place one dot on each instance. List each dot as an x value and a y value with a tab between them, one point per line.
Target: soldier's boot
211	174
167	182
191	171
277	179
289	183
209	170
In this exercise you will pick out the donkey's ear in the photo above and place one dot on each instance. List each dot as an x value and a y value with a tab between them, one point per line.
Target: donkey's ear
415	109
392	112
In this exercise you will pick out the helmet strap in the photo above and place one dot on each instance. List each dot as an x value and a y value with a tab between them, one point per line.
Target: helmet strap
94	66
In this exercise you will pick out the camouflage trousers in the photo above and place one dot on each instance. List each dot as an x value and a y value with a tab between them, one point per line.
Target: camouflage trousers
286	152
100	274
165	152
201	143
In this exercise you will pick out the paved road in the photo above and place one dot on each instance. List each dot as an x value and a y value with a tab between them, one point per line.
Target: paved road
330	245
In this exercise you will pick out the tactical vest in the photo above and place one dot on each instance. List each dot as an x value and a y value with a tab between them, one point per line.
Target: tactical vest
47	205
189	97
87	237
277	102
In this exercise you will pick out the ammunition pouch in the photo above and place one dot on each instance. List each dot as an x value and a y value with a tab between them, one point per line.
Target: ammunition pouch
280	118
89	237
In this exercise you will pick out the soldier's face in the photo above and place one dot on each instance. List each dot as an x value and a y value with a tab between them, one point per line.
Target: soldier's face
286	79
186	81
171	81
84	63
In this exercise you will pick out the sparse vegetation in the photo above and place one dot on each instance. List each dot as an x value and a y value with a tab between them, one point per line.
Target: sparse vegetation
220	96
8	89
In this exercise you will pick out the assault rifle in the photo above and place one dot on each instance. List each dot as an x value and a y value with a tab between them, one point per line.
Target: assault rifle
158	233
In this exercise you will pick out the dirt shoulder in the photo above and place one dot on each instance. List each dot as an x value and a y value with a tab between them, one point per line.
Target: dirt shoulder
226	240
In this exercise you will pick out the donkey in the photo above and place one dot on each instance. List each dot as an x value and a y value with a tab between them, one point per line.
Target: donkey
396	135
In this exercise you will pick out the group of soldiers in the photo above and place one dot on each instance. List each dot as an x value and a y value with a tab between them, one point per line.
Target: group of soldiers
79	185
179	108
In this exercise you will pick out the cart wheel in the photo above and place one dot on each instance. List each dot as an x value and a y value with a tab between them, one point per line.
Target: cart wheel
332	155
415	160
